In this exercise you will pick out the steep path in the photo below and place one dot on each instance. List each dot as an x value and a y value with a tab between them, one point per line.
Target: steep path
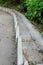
29	38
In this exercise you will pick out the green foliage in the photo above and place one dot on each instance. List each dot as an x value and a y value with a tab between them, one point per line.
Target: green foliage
20	7
10	2
34	10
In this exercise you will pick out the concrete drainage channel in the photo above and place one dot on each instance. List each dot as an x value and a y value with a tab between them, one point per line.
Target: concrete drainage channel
18	37
20	58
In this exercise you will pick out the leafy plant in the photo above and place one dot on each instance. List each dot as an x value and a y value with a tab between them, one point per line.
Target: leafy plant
34	10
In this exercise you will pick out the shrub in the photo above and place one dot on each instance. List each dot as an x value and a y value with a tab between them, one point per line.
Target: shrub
34	10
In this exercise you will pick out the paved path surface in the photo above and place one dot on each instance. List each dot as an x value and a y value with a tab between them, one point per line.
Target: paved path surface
7	40
32	50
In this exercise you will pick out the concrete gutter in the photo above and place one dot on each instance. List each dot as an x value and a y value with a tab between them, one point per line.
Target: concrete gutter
18	37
